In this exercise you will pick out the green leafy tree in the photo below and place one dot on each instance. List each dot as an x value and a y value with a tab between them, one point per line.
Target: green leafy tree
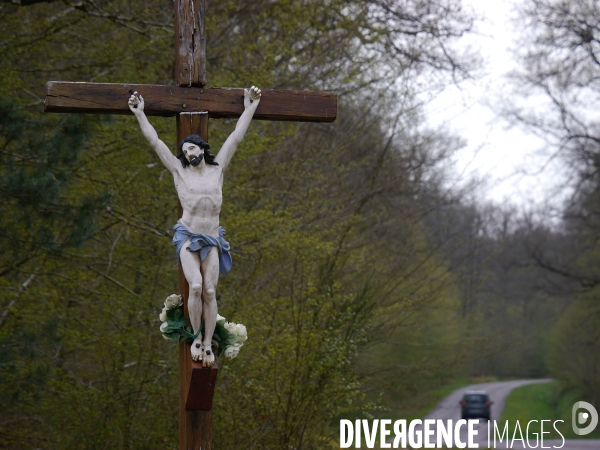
309	209
38	159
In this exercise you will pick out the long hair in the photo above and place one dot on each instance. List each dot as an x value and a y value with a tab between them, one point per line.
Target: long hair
196	140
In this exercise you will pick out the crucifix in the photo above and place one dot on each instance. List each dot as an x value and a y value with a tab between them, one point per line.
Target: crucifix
192	104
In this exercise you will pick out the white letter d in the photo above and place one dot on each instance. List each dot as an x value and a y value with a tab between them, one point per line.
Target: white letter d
346	438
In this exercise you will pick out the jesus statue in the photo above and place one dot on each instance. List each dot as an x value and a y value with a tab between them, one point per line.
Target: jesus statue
198	177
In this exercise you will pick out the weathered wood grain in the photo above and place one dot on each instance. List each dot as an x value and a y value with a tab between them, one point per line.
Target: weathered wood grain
201	386
190	43
111	98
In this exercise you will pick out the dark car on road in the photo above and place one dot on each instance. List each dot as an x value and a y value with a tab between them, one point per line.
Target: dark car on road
476	405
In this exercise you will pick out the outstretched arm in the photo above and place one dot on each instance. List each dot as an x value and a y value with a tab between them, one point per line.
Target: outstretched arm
251	100
136	105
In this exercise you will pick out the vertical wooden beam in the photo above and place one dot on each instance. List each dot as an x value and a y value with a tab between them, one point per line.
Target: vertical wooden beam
195	426
190	43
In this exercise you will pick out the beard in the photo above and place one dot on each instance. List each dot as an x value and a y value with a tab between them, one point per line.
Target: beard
195	160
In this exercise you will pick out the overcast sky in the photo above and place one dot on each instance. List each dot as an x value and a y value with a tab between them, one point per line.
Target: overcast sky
508	159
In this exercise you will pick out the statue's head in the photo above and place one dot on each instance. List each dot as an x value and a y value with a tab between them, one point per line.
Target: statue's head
192	149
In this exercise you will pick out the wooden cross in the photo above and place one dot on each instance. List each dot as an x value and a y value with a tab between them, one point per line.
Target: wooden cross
193	105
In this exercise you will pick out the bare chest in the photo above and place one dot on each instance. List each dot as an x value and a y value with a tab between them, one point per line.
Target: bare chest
200	189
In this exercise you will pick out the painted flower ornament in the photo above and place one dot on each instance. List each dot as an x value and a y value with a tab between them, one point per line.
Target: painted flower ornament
228	337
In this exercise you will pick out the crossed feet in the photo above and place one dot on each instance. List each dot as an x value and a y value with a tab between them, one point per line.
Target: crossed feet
201	352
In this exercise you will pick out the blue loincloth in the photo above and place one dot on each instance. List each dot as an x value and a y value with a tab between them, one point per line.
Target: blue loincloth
203	243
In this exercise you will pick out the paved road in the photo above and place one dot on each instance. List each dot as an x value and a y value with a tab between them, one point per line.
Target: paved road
498	391
448	409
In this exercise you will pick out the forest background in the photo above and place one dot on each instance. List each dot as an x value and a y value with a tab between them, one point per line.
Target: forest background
366	280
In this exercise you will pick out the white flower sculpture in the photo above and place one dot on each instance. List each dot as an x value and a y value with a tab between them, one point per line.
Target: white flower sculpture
173	301
239	330
229	337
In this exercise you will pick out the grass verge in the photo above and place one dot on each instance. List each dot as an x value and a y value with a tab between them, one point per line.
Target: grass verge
547	401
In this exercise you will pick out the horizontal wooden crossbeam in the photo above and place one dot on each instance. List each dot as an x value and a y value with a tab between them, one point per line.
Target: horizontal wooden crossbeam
160	100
